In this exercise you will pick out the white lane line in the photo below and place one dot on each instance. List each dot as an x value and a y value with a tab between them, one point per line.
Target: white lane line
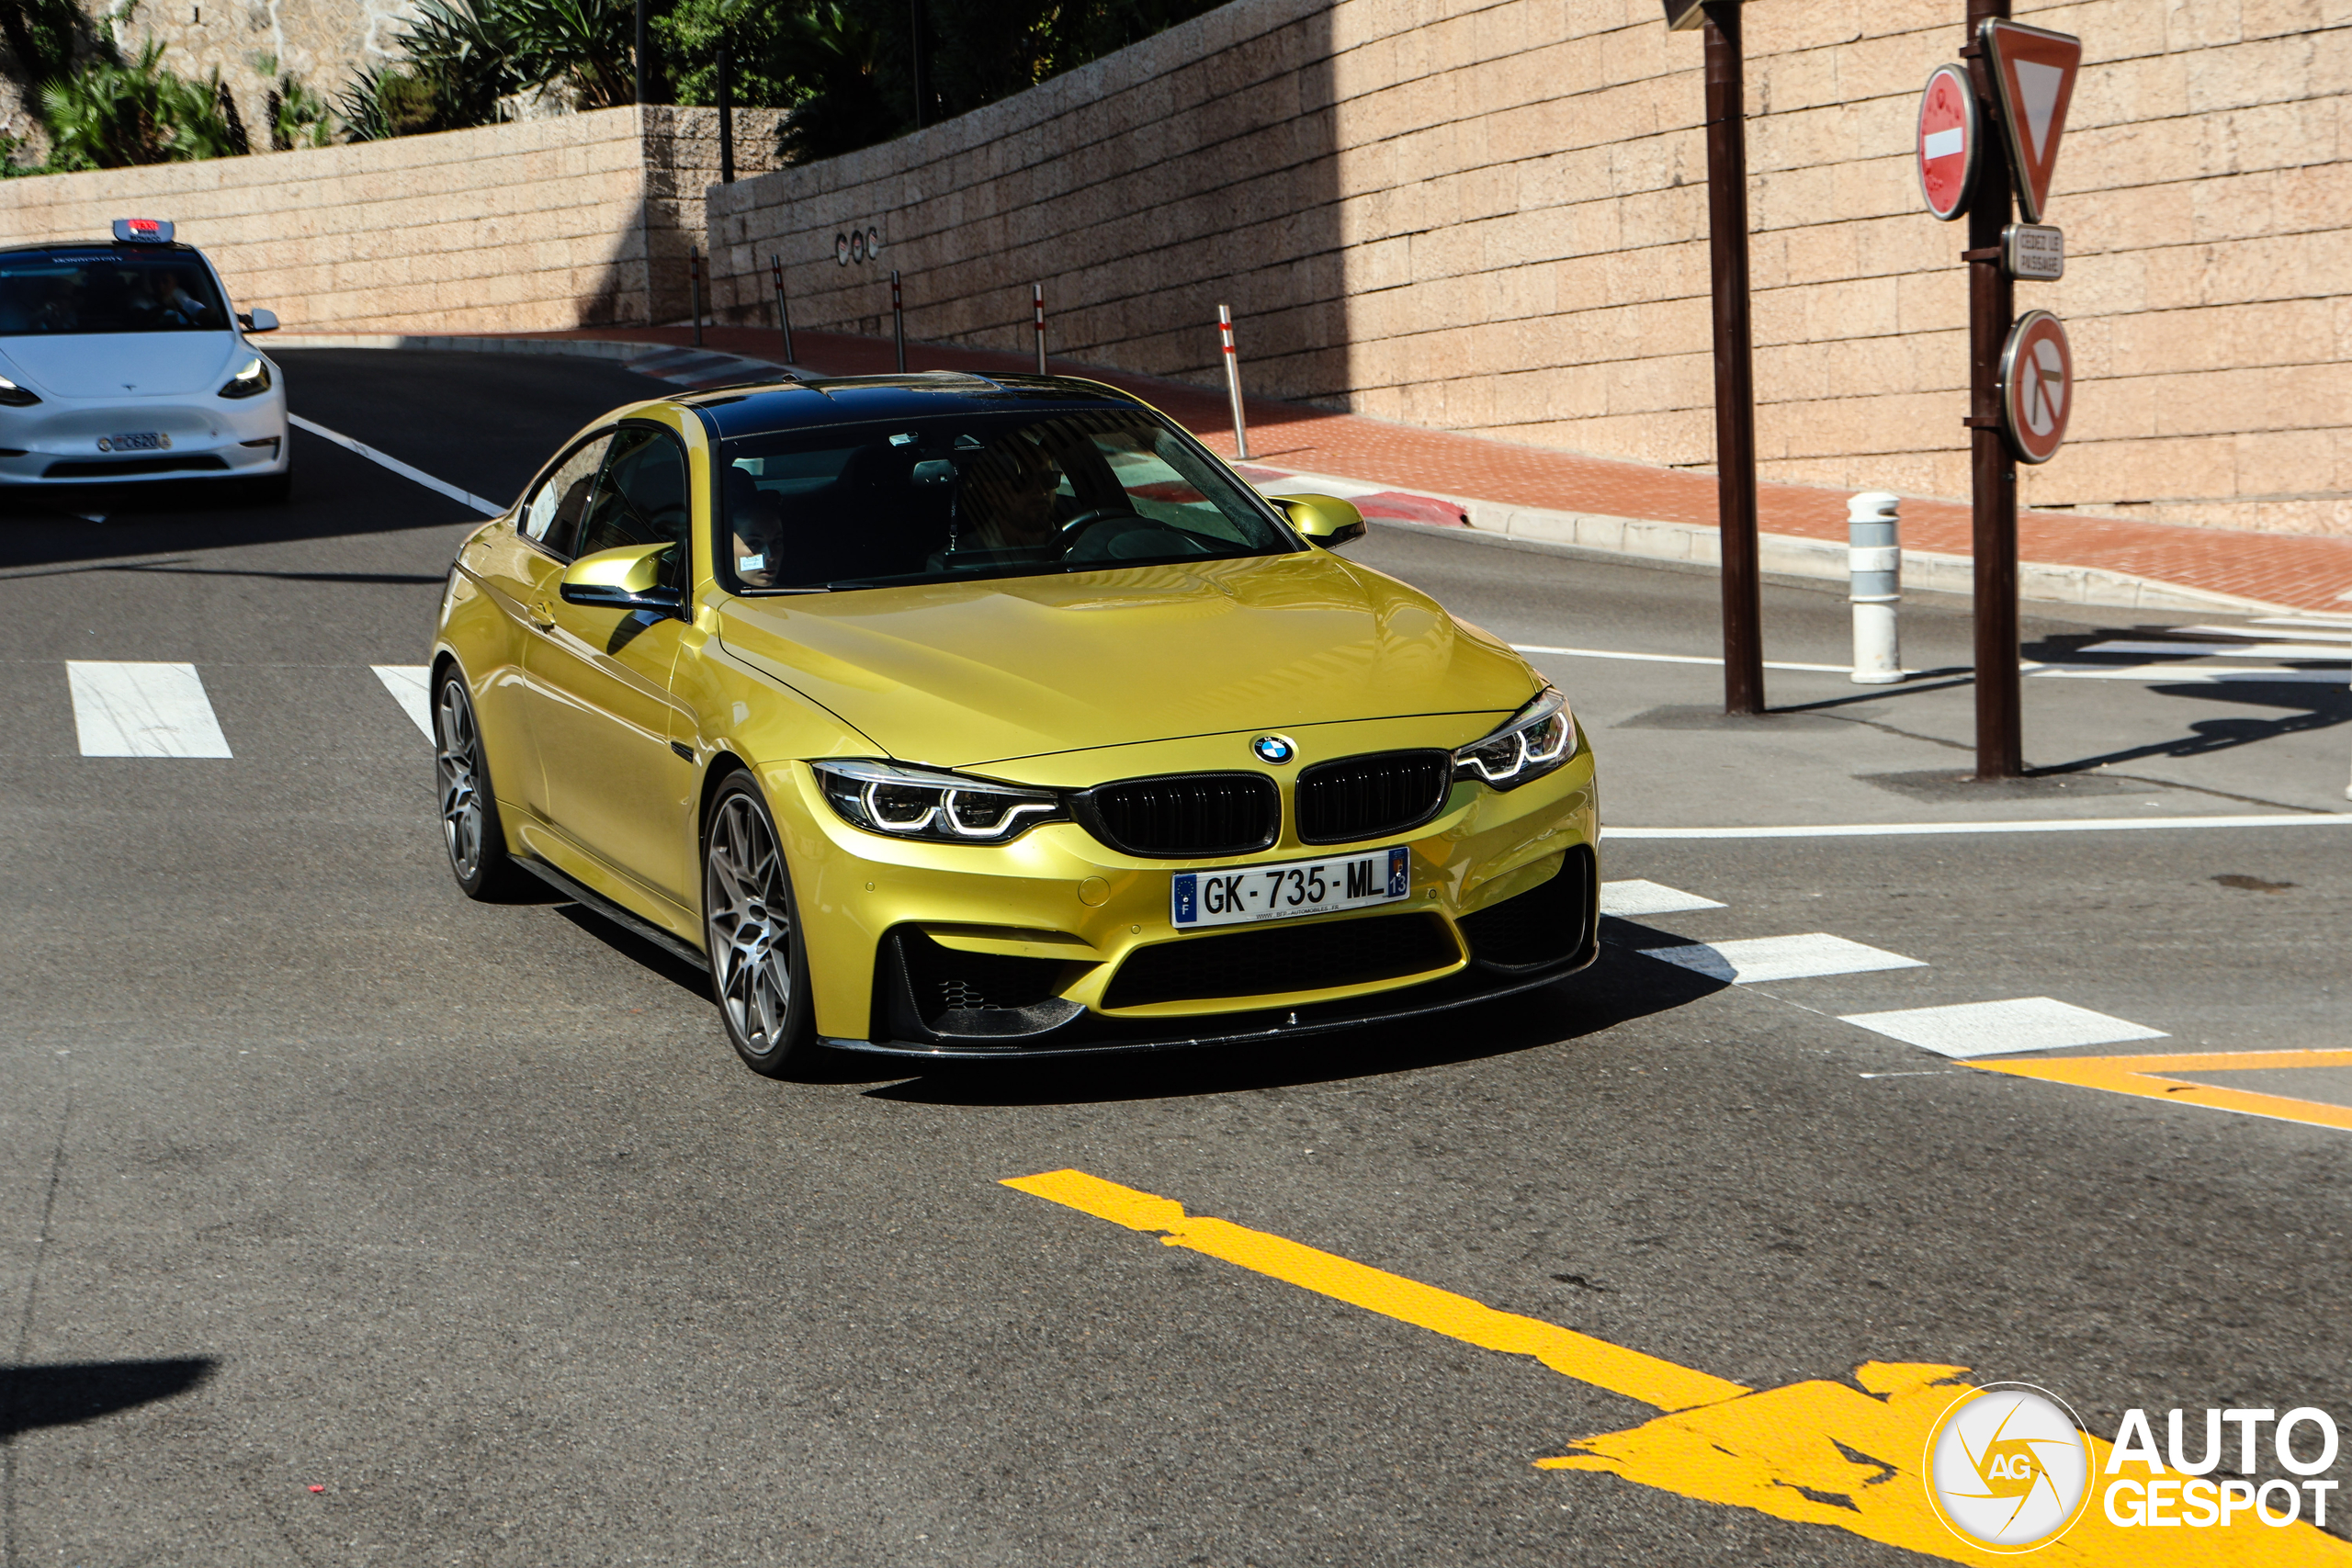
1996	1029
1629	898
1675	659
1762	958
142	710
408	686
2321	631
465	497
2232	649
2058	825
2182	674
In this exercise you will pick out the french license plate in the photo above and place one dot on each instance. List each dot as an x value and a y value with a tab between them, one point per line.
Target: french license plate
1301	887
136	441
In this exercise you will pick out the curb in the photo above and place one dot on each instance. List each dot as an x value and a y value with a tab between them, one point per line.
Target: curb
1693	544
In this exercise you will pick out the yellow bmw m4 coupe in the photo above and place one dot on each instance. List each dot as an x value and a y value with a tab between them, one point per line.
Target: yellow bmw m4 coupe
947	717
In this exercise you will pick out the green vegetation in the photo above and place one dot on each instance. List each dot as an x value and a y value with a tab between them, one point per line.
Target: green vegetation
465	55
111	113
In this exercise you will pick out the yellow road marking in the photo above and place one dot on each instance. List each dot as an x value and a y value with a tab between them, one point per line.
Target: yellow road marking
1815	1452
1563	1350
2145	1076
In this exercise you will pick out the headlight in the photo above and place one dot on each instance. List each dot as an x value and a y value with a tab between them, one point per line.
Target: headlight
924	803
1539	738
15	397
250	383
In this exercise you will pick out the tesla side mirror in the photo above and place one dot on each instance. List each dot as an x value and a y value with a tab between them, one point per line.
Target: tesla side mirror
626	578
258	321
1326	519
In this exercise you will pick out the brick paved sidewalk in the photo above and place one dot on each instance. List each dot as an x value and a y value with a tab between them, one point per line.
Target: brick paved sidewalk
2288	569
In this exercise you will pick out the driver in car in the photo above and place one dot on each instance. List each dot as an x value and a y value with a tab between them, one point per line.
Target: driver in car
1010	489
756	520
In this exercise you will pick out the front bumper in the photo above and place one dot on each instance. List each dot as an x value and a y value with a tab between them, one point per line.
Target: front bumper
57	442
1040	932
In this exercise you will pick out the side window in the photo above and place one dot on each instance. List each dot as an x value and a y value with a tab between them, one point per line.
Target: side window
551	517
640	498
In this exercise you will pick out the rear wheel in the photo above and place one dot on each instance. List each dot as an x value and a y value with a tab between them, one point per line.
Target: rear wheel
759	965
469	827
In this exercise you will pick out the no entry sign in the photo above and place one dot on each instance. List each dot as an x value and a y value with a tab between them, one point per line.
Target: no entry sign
2037	387
2033	80
1947	132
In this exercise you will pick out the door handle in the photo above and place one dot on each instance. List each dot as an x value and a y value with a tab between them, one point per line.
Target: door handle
541	617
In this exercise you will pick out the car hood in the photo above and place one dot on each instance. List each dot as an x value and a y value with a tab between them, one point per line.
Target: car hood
958	674
97	364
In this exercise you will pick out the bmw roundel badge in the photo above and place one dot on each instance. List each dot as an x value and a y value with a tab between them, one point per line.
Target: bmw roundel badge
1274	750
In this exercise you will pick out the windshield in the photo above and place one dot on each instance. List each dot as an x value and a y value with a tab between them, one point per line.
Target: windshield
108	291
978	495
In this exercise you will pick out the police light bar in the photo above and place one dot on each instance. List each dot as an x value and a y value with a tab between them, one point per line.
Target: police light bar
142	231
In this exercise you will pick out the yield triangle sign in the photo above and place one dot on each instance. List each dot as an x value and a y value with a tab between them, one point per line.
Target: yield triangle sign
2033	80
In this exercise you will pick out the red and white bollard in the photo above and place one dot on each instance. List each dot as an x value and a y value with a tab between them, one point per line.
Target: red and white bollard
1233	380
1037	303
899	321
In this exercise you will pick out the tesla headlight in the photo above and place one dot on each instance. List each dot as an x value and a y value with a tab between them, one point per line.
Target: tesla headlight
250	383
15	397
925	803
1539	738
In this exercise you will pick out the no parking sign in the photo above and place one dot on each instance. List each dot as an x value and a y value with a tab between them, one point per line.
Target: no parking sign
2037	387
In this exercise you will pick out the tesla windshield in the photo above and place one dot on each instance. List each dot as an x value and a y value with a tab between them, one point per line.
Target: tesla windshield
54	292
932	500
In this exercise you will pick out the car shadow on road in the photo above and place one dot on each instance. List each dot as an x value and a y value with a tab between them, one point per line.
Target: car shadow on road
65	1392
1621	986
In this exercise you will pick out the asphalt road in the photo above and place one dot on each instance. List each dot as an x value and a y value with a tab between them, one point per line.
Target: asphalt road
344	1221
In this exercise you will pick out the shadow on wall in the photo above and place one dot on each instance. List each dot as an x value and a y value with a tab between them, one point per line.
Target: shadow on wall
1199	167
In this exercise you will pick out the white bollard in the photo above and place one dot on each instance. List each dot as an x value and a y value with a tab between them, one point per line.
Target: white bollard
1874	557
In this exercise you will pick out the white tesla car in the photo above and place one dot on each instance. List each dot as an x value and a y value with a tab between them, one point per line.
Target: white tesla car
124	362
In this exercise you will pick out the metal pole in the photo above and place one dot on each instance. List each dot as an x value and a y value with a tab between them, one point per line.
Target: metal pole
726	113
1735	366
1233	381
1037	303
640	50
1992	305
899	321
783	315
1874	565
694	288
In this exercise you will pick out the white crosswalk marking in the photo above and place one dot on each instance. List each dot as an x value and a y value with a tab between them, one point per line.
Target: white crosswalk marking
1996	1029
409	686
2307	650
142	710
1628	899
1763	958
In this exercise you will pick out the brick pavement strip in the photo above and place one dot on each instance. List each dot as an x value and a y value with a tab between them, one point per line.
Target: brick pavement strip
2300	572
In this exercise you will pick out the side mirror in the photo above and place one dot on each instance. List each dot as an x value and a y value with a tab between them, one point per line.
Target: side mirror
258	321
1326	519
626	578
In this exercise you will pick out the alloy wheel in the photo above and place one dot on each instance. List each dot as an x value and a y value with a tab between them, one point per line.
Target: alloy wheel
458	752
749	917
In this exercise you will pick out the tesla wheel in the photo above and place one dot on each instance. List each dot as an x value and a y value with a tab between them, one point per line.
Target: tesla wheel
758	962
469	828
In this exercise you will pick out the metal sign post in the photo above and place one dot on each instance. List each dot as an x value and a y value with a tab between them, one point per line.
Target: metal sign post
1734	363
1992	302
693	289
783	313
726	113
899	321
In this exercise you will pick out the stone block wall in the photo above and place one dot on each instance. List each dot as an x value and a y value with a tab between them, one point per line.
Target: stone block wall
535	226
1491	217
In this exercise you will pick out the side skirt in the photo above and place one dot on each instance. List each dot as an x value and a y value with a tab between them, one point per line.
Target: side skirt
613	912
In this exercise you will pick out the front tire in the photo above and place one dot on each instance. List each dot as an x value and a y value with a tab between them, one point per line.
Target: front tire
470	825
758	964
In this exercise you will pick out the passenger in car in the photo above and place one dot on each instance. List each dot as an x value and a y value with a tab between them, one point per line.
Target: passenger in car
755	521
1009	498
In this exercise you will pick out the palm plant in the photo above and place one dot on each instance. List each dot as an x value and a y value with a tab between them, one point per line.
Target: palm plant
109	114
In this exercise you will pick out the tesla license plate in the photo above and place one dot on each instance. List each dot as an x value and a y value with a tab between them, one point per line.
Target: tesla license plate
1302	887
136	441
